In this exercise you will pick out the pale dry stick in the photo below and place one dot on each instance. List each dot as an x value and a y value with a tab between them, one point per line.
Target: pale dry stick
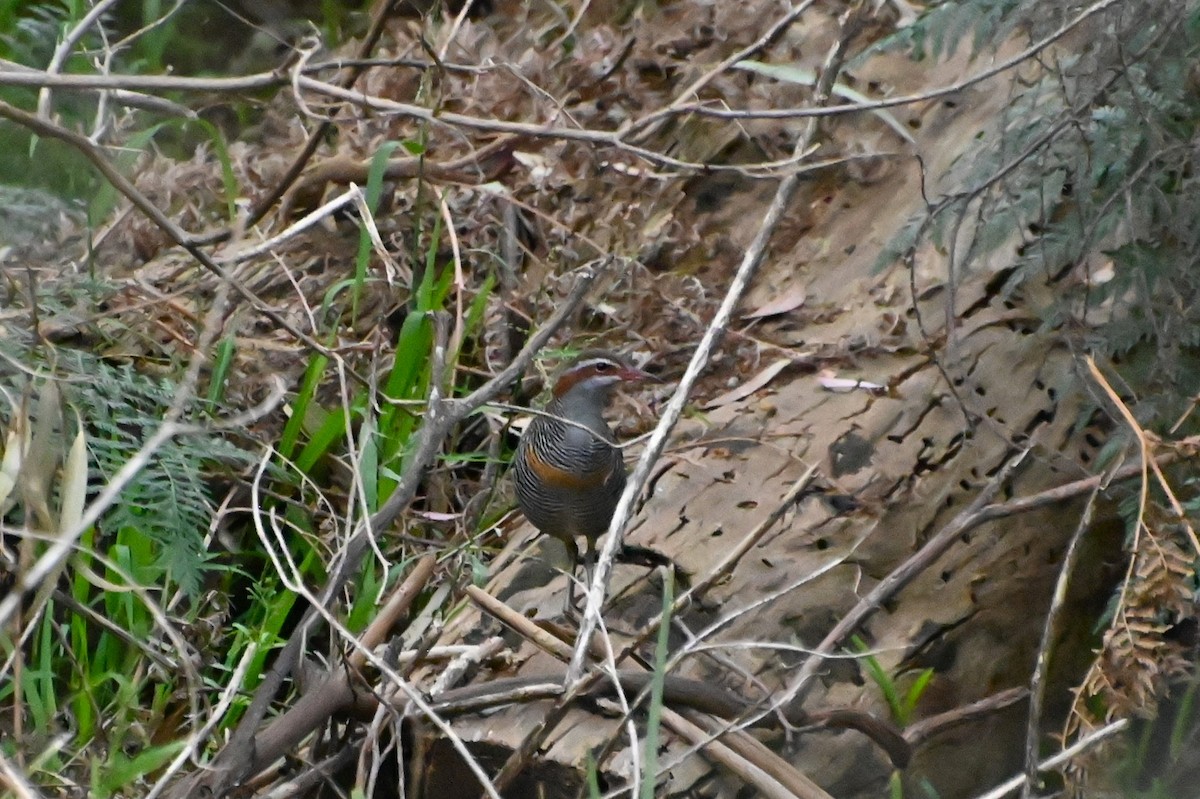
101	122
572	25
344	169
456	669
678	691
373	637
705	698
1082	745
560	108
149	26
151	83
335	693
608	665
111	627
901	576
735	555
1183	416
276	548
545	130
551	645
728	742
398	604
370	756
13	780
304	223
564	698
20	75
674	408
917	733
698	645
532	129
347	77
304	304
671	414
695	643
160	83
358	489
183	662
1037	682
231	765
458	332
1146	459
435	654
513	691
66	542
196	738
54	754
700	109
510	618
646	125
64	49
146	102
302	52
15	74
757	765
392	269
160	219
309	781
749	767
454	29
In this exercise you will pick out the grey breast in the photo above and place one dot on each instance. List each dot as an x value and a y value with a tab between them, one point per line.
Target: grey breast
580	510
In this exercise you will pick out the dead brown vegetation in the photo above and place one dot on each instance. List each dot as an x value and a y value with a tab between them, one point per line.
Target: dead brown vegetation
900	454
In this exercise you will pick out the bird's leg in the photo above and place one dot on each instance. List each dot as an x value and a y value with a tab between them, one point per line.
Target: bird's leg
589	569
573	551
589	564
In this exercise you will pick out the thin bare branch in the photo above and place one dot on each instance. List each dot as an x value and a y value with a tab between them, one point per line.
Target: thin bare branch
1037	682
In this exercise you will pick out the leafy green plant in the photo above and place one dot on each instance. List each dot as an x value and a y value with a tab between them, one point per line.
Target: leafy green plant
901	702
1097	152
167	507
87	665
1082	204
943	27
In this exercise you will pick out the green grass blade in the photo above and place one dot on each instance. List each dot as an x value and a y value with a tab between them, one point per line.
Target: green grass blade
221	150
875	670
220	373
654	720
375	173
304	398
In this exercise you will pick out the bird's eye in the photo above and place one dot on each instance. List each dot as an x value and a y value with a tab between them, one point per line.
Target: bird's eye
604	366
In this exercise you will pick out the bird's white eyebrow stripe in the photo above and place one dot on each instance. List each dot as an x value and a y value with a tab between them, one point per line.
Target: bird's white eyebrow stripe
593	362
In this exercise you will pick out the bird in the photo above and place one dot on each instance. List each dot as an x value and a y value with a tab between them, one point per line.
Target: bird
569	474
